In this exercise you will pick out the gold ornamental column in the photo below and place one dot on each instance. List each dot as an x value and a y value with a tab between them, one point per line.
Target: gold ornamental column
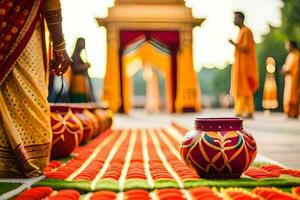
111	88
188	88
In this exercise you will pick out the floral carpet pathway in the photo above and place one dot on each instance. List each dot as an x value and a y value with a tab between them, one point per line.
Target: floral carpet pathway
146	164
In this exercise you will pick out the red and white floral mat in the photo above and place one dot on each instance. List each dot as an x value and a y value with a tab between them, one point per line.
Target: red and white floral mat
144	163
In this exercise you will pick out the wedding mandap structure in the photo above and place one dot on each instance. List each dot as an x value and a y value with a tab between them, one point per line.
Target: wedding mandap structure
156	33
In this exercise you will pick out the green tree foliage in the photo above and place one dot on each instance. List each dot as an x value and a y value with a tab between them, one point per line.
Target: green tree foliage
139	84
291	20
215	82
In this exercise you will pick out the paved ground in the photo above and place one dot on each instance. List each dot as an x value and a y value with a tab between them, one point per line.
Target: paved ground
277	137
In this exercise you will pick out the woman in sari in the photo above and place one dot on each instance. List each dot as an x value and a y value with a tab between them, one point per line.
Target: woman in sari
25	131
80	88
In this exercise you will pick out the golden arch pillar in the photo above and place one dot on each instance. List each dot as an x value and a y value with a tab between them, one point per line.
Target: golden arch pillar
150	17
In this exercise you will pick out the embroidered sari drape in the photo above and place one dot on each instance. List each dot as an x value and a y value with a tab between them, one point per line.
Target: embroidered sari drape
18	22
25	131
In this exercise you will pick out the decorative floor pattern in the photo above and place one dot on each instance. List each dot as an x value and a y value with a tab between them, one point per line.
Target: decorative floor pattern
147	159
199	193
145	163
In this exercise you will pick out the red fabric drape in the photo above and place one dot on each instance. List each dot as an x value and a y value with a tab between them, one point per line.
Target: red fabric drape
18	20
168	38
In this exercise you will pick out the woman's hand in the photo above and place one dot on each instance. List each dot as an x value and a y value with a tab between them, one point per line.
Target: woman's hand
61	60
60	63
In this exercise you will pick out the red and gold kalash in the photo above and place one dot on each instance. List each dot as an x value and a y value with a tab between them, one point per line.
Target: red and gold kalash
74	124
218	148
104	116
89	128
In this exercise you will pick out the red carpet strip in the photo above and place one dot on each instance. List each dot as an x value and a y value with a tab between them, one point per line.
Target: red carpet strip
173	157
136	168
273	194
57	171
47	193
157	168
95	162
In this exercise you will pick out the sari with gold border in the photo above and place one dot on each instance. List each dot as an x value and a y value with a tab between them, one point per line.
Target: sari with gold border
25	131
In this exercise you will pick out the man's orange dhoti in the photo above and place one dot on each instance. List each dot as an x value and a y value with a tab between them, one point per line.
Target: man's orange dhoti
244	74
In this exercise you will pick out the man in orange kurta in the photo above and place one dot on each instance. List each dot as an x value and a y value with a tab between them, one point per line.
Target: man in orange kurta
244	74
292	80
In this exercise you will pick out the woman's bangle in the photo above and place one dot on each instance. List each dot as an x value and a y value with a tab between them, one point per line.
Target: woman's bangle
59	47
53	16
53	23
59	50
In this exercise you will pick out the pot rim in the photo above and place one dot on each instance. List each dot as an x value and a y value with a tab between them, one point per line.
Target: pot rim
218	124
59	107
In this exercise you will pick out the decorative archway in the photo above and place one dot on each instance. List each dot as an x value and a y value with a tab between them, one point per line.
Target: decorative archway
166	22
159	39
149	51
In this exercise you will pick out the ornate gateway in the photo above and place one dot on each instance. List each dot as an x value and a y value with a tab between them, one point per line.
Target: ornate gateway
165	24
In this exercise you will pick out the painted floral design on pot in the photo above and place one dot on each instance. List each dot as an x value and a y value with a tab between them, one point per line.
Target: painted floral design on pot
67	131
218	148
86	121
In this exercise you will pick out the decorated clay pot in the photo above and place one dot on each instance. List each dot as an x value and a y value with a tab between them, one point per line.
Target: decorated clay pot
67	131
105	117
101	119
86	121
95	121
108	118
218	148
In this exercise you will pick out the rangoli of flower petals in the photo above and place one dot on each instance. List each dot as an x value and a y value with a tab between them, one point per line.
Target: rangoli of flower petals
199	193
296	192
273	194
145	154
150	156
